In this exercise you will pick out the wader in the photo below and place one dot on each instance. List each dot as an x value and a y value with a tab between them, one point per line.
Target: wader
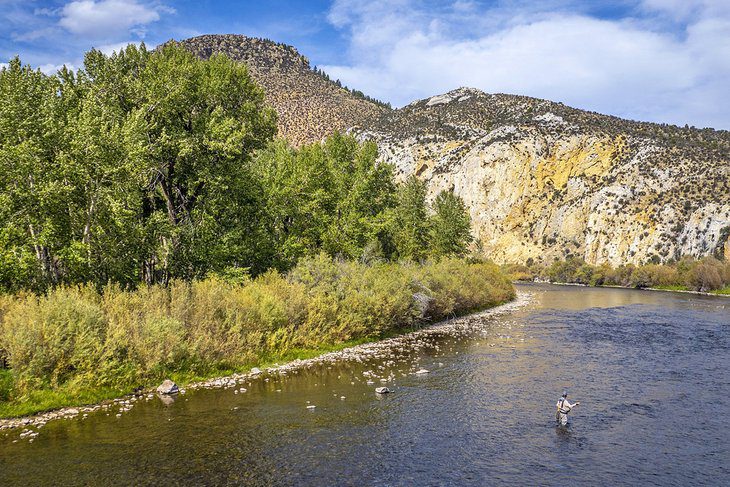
561	415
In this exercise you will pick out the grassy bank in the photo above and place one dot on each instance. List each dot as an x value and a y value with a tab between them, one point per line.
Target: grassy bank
77	345
688	274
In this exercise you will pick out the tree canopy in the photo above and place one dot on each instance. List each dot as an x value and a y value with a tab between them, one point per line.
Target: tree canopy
145	166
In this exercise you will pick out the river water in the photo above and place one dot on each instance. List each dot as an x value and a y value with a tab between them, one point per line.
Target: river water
650	370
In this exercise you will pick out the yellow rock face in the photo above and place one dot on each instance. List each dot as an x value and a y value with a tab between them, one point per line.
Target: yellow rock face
545	196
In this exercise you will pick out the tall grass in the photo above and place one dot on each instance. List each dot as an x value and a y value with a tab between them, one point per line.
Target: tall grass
75	340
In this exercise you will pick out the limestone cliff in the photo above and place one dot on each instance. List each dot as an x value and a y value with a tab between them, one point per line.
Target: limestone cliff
543	180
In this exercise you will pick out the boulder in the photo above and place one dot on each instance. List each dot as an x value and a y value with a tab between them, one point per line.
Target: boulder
422	302
168	387
382	390
255	371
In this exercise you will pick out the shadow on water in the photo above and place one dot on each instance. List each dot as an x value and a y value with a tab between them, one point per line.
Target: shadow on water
482	415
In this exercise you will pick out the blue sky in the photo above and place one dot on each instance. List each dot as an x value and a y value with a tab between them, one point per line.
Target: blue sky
656	60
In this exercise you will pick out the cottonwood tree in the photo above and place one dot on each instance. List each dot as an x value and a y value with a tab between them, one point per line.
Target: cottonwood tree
192	131
449	226
133	168
34	225
409	221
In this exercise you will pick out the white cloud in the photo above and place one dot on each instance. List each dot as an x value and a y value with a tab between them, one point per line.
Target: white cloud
110	49
631	67
688	9
108	18
51	68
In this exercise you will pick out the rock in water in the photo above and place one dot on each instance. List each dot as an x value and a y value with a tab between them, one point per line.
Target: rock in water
382	390
168	387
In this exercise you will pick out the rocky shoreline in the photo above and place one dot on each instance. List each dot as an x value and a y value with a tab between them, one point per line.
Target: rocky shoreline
358	353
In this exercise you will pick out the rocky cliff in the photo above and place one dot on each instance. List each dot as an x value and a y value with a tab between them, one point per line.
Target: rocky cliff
310	105
543	180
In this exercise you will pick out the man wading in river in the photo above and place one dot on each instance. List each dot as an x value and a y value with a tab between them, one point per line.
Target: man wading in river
564	407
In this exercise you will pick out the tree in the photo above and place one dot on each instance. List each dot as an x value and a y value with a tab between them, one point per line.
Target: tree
449	226
408	226
33	188
362	190
192	130
328	196
136	167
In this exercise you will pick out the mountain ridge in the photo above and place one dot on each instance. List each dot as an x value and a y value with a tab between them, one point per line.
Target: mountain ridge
310	105
542	180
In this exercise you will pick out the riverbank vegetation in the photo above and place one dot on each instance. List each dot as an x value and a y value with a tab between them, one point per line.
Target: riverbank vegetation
147	167
688	274
152	226
75	343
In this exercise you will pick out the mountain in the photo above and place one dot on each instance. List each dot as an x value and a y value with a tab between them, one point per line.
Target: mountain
310	105
541	180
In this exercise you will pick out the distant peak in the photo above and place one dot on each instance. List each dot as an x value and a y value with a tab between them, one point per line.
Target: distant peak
243	48
459	94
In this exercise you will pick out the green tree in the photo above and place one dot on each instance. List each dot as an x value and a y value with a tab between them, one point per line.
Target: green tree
192	130
327	197
408	225
362	191
135	167
34	224
449	226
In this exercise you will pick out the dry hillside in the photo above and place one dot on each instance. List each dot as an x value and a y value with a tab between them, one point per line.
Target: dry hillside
541	180
310	106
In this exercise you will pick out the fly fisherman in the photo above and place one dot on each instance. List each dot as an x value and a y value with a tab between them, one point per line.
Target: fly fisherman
564	407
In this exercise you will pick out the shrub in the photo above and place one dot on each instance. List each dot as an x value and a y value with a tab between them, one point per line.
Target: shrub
707	274
54	338
77	337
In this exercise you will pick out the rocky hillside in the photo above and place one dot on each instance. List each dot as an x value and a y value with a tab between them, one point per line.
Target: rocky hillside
310	106
543	180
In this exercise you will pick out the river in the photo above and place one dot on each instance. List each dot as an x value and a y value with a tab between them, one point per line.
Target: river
650	370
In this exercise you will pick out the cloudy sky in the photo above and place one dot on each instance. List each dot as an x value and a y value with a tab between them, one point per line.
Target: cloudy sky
656	60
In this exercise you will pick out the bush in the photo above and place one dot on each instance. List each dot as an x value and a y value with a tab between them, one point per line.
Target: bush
54	338
707	274
75	337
